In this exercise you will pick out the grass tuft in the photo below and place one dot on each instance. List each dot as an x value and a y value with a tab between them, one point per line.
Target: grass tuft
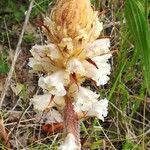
137	18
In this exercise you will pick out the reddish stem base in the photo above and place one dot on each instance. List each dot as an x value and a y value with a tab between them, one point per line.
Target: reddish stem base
71	120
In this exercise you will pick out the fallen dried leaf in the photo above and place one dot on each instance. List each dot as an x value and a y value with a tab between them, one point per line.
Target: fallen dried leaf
51	128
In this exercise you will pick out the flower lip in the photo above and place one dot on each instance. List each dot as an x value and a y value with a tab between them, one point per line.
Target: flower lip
50	50
75	65
100	73
87	101
97	48
53	84
43	102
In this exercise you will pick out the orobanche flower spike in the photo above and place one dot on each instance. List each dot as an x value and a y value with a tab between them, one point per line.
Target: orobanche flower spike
73	53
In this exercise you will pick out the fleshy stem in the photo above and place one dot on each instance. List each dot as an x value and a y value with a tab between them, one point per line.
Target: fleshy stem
71	121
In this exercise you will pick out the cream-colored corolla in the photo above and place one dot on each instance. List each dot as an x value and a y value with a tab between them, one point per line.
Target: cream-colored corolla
73	53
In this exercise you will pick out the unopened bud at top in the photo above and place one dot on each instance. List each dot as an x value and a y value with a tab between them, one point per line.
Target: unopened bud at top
75	20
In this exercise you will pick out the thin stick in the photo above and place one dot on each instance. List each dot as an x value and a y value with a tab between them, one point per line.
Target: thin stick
18	122
8	39
17	52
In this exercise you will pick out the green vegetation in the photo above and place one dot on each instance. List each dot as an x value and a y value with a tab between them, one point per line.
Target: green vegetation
4	67
137	13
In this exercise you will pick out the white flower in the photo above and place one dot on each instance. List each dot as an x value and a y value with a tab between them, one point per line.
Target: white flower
43	66
42	102
87	101
99	109
97	28
75	66
69	143
43	58
84	99
98	47
50	50
54	83
100	74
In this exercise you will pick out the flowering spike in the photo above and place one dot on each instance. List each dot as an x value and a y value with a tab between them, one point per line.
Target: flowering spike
72	54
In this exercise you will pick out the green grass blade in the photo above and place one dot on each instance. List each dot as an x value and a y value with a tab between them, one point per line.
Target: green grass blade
139	28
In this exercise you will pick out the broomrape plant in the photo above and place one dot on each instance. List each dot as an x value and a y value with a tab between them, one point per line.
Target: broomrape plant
73	53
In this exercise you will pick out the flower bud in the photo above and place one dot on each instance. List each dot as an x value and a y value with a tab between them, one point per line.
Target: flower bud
75	20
